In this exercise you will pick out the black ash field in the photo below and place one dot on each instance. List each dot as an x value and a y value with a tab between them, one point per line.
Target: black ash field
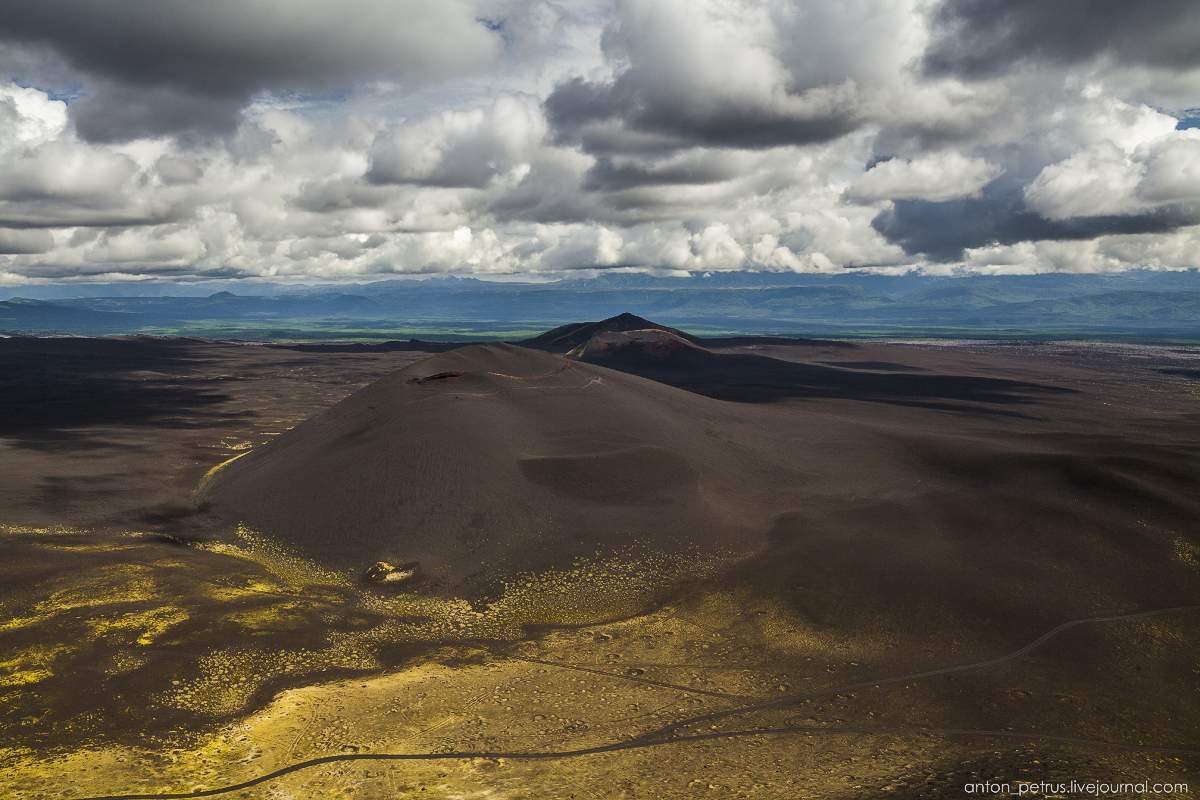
616	560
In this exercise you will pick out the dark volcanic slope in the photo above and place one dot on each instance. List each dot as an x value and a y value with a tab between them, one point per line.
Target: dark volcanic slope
902	490
115	433
648	345
567	337
491	460
663	356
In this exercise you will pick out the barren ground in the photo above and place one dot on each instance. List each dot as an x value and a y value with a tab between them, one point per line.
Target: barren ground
989	570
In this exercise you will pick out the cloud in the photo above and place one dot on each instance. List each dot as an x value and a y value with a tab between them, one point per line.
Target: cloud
671	90
466	148
165	246
66	171
189	66
936	177
984	38
550	192
318	140
582	247
48	178
1172	170
1174	250
999	216
114	112
25	242
1104	179
686	168
28	117
173	168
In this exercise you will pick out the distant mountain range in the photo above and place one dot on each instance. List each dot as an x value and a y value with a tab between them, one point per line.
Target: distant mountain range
1143	303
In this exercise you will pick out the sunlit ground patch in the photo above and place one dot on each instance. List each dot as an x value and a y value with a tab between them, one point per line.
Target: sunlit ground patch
162	667
29	665
1187	552
180	638
144	626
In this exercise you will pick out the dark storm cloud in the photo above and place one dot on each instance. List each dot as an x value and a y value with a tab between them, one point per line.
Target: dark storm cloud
32	217
114	112
719	74
576	102
539	135
942	231
24	242
621	117
196	63
69	272
980	38
222	272
607	175
548	195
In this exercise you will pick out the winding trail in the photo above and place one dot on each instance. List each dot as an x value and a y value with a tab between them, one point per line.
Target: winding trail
792	699
631	678
212	473
667	735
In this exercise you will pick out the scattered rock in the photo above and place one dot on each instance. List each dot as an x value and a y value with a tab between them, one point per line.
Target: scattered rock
386	572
